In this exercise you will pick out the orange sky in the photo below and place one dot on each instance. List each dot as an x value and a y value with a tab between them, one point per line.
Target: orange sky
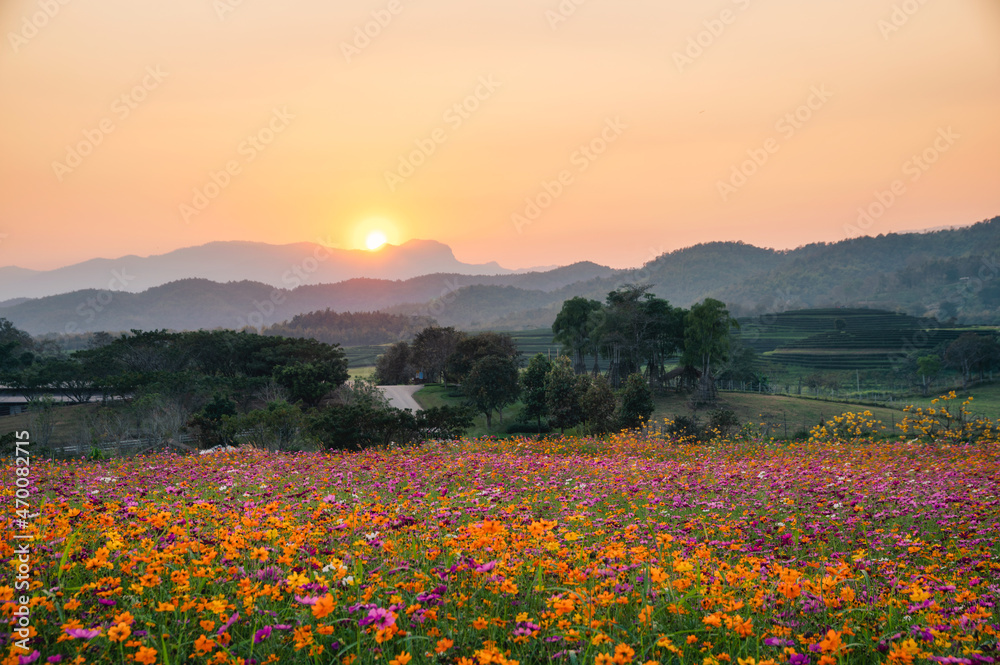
162	95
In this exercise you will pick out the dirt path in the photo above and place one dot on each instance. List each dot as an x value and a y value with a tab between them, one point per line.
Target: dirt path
401	397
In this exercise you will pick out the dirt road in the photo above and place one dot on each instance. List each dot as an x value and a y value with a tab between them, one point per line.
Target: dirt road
401	397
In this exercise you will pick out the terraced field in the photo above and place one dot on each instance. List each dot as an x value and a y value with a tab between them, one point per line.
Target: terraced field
845	339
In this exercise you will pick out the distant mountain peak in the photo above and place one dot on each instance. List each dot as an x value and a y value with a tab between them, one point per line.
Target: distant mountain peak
285	266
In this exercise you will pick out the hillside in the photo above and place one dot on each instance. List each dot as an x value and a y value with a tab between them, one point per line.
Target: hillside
843	338
951	274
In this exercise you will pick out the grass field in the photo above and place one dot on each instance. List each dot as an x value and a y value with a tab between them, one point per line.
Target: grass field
69	421
363	356
986	400
785	415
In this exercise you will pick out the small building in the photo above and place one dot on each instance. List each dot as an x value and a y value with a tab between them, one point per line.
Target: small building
12	405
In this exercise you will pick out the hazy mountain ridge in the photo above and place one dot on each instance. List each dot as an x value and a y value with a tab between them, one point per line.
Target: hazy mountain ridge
281	266
919	273
200	303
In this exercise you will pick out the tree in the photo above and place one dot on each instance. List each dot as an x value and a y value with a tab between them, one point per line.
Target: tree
928	367
310	382
275	427
971	353
394	367
211	421
623	331
443	422
471	350
43	421
432	347
16	350
363	391
636	403
598	405
70	376
359	425
741	364
574	328
706	340
664	332
491	385
561	395
533	388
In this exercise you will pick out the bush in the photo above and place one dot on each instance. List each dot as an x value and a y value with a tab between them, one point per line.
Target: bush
528	428
683	427
636	404
360	426
723	422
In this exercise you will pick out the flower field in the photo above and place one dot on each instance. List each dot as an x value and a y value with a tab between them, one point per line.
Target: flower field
566	550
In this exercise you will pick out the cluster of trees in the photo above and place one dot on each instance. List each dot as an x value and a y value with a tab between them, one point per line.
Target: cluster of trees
969	355
552	390
228	387
487	368
350	328
486	365
638	332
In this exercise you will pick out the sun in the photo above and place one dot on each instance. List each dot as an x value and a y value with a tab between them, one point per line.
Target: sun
375	240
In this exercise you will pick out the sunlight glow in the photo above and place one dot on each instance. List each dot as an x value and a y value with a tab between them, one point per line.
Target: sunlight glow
375	240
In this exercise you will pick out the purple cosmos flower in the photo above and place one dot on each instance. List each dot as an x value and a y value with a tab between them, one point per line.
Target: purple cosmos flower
24	660
54	659
381	618
83	633
262	635
229	622
798	659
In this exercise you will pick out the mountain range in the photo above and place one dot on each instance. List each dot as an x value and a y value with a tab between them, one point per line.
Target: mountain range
285	266
950	274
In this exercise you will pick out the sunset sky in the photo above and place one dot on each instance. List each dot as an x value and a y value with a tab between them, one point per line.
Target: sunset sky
452	119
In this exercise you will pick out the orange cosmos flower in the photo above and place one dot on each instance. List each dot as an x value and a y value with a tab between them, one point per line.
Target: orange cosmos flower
401	659
145	655
323	606
203	645
119	632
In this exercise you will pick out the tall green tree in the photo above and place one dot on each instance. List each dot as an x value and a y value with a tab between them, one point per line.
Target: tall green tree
533	388
491	385
432	348
310	382
707	331
561	394
598	405
574	328
394	367
470	350
636	403
928	367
